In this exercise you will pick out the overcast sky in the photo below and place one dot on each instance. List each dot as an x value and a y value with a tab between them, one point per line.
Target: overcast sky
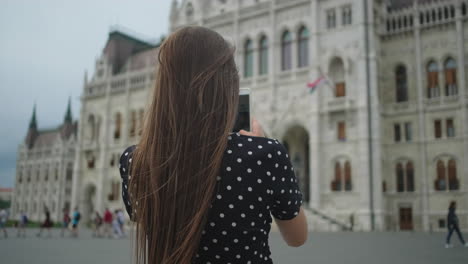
45	47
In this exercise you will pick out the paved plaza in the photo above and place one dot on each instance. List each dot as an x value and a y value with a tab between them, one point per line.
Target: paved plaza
321	248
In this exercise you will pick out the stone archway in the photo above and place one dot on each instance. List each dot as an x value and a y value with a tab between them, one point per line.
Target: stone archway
296	141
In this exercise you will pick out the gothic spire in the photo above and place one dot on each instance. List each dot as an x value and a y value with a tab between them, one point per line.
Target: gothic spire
68	114
33	122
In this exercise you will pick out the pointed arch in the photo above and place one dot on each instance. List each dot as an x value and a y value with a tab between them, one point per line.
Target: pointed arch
401	81
347	176
432	79
409	177
453	183
440	182
248	58
263	55
400	180
450	72
303	47
337	73
286	51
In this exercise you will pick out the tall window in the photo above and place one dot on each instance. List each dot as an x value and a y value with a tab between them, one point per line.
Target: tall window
263	56
347	15
432	80
408	132
401	84
409	177
303	47
450	77
248	58
331	19
440	183
400	178
286	51
446	174
337	74
397	132
452	175
115	191
133	124
437	129
337	182
450	128
342	180
347	176
118	125
341	135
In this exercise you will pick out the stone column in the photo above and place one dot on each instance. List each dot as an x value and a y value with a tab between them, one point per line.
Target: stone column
461	86
314	117
421	141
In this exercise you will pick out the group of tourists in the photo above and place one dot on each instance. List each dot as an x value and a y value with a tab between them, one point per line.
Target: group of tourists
110	224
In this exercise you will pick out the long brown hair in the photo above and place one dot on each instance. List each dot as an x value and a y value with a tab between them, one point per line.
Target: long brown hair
178	158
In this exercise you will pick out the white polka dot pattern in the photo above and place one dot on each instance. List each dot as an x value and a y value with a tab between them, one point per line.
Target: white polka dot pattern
256	181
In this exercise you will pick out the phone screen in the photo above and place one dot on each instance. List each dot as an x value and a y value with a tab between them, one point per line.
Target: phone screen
243	114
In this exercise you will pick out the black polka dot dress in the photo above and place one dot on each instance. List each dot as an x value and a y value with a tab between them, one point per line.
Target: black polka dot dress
256	181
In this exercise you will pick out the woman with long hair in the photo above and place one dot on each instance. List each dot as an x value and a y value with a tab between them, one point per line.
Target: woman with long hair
197	192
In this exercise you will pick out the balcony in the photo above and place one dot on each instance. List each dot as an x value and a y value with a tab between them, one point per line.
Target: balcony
339	104
441	102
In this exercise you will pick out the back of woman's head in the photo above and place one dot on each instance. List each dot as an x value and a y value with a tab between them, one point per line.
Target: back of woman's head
176	162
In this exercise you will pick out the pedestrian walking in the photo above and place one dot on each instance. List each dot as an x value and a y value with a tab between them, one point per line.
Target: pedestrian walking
3	221
97	224
65	222
116	226
107	223
453	225
22	223
199	190
121	219
47	224
75	221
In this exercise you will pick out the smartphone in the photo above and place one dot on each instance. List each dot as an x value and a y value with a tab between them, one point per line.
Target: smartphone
243	112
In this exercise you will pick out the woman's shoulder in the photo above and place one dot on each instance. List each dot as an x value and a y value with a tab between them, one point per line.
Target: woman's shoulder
260	144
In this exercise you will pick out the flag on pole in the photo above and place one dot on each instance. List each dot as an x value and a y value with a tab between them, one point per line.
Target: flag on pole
313	85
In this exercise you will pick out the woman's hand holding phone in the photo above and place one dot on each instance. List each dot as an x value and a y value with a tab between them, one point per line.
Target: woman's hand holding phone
257	130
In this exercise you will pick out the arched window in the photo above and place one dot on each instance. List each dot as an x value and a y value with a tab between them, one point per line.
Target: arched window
91	127
440	183
347	176
405	21
452	11
439	13
409	177
453	183
303	47
446	13
263	56
133	124
432	80
463	9
401	84
248	58
337	74
118	125
421	18
400	178
286	51
141	121
434	18
450	69
336	183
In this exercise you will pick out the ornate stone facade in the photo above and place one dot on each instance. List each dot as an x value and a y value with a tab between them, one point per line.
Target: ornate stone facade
366	145
44	170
